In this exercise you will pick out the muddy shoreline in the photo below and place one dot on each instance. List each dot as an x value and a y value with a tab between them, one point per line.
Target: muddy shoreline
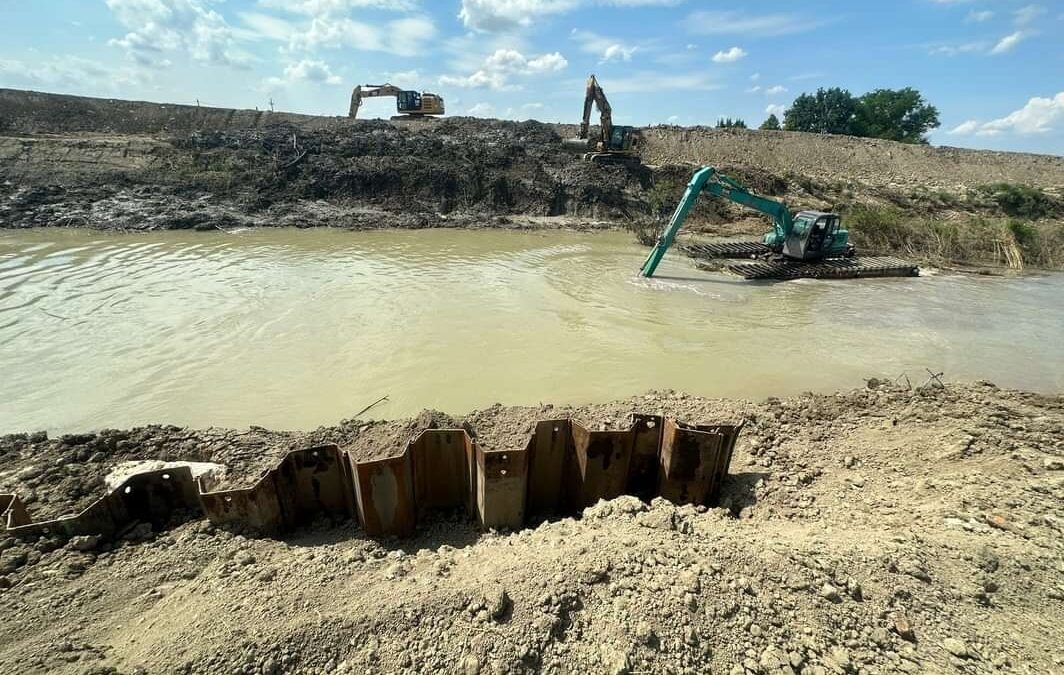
883	529
130	166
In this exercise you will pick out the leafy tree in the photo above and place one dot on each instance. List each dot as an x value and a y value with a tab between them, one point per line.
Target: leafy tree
829	111
895	114
771	124
729	123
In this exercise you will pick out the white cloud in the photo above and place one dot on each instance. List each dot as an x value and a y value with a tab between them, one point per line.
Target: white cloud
409	79
1038	116
547	63
754	89
404	37
605	48
307	70
1007	43
532	106
1026	15
979	17
729	56
755	77
263	26
68	72
1022	18
713	22
775	90
503	15
776	110
644	81
497	68
954	50
965	128
618	52
320	7
191	26
481	110
480	79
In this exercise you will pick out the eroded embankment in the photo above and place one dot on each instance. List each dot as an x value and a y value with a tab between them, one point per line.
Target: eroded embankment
124	165
880	530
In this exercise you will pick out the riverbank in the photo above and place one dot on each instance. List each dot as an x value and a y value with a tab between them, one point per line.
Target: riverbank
883	529
131	166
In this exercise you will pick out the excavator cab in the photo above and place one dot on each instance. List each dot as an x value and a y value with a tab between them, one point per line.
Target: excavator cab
816	235
620	139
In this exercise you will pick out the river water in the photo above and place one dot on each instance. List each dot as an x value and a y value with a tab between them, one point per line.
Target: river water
298	328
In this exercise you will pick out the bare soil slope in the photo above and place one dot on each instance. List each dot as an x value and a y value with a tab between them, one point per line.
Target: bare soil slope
115	164
882	530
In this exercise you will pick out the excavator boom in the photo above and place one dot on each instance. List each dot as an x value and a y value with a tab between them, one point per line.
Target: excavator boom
595	96
809	236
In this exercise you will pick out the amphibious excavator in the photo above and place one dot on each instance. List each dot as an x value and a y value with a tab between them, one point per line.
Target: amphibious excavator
407	102
615	143
808	244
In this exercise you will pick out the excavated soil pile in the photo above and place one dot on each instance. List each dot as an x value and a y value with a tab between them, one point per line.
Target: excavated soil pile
882	530
90	163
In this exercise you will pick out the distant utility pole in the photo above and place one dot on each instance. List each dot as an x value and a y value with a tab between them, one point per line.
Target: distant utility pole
271	104
197	102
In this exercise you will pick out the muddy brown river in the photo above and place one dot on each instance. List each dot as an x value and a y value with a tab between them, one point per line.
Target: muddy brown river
298	328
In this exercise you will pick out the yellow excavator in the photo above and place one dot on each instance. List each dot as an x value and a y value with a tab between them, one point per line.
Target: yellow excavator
615	142
408	103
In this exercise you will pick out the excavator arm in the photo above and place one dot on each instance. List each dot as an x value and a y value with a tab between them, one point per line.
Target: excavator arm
595	96
370	91
707	179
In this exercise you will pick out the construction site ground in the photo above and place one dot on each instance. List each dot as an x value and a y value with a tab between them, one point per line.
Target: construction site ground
888	529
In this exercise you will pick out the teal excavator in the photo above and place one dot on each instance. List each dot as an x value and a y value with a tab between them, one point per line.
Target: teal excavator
809	244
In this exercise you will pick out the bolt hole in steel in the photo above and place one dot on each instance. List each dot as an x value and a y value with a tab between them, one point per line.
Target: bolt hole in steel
166	476
128	490
228	498
502	472
591	329
651	424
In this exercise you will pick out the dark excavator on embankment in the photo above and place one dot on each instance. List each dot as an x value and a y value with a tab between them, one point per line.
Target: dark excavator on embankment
805	245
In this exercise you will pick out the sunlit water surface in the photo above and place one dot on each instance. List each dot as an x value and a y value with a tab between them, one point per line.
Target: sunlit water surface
298	328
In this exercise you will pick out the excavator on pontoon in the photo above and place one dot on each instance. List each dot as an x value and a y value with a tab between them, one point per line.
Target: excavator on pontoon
808	244
408	103
615	142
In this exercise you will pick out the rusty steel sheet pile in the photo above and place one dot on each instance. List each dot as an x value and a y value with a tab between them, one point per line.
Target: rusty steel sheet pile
564	467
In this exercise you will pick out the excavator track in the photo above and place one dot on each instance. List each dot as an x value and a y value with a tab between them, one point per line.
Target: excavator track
726	249
783	270
835	268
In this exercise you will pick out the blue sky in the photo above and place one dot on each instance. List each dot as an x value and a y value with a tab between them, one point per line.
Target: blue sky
994	68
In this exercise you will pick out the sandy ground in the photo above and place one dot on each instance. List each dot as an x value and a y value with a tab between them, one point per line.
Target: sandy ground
875	531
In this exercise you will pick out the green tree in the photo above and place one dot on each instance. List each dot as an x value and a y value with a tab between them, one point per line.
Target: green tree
771	124
729	123
829	111
895	114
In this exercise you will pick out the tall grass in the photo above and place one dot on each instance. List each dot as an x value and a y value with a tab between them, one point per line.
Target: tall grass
1011	242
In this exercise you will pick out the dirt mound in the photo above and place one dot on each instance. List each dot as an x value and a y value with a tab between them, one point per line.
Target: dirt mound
879	530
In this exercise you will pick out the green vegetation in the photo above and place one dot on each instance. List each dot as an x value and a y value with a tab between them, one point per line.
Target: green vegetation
729	123
771	124
893	114
1022	201
1011	242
